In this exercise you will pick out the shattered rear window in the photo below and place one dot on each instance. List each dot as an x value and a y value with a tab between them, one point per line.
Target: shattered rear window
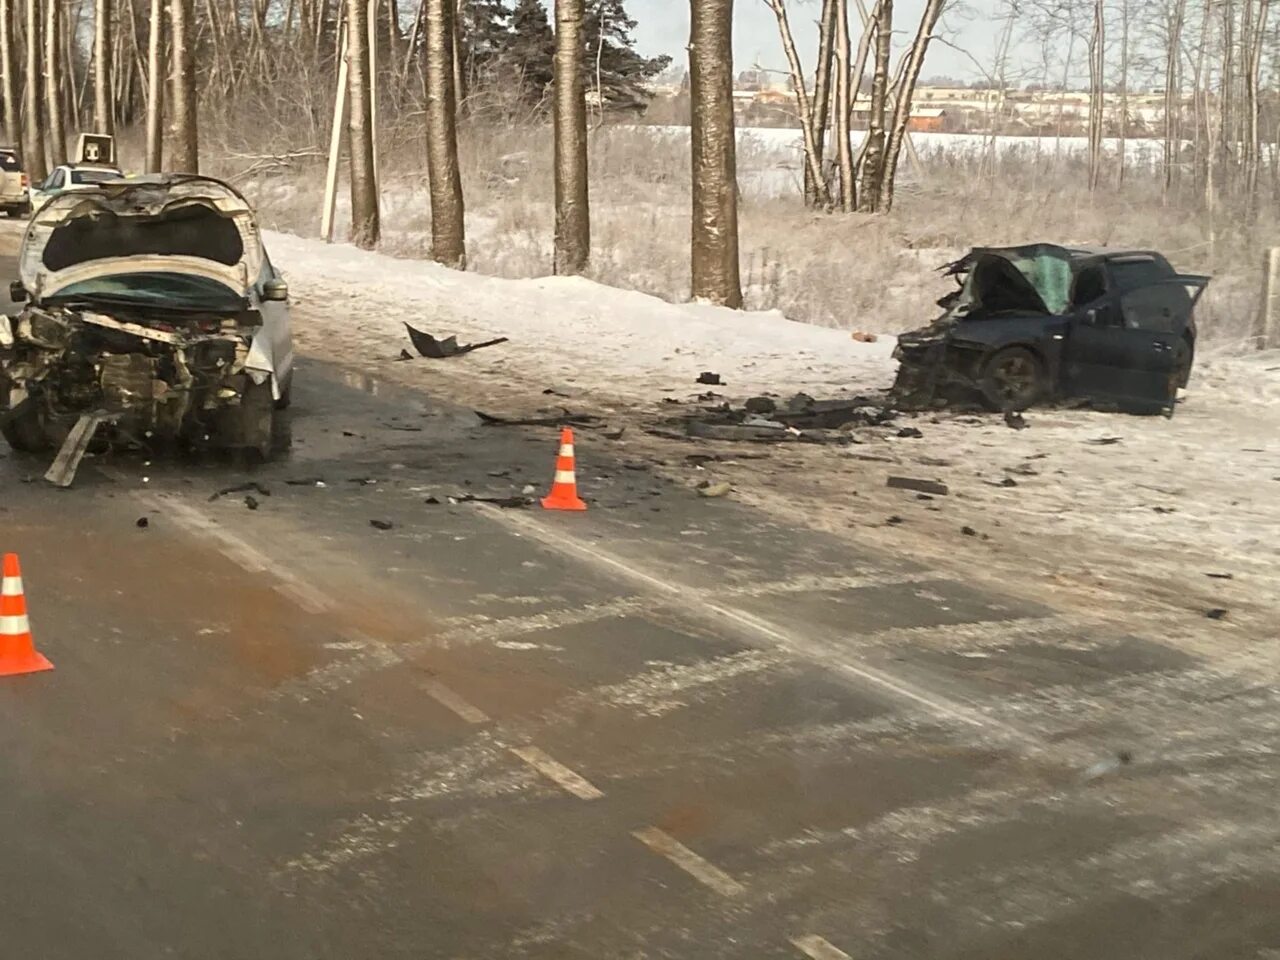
191	230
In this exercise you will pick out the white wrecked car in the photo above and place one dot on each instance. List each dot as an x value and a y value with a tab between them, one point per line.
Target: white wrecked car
151	312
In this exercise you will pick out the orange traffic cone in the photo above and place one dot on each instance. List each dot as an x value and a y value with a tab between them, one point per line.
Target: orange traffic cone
17	651
564	491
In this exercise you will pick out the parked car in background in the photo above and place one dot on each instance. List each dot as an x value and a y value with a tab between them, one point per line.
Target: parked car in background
15	196
149	304
1043	322
72	177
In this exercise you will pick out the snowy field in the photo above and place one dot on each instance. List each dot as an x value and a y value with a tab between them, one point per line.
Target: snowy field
1142	152
1116	514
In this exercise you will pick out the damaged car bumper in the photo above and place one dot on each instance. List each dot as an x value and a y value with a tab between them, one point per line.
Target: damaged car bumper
149	381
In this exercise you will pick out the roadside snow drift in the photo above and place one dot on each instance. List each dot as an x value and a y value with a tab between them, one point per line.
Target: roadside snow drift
567	329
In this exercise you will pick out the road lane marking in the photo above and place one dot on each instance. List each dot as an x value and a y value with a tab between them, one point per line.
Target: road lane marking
554	770
438	692
241	552
665	845
694	601
817	948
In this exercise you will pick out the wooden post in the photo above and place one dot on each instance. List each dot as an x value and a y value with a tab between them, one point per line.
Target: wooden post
1266	328
335	144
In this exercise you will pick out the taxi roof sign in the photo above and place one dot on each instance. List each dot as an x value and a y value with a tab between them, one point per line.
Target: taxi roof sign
96	148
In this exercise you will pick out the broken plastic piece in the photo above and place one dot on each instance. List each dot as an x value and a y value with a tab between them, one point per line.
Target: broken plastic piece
433	349
919	486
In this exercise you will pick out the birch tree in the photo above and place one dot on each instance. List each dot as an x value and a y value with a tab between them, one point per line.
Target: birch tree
366	227
53	78
184	152
906	94
155	88
822	97
844	107
714	249
812	154
871	175
103	94
33	127
448	228
573	214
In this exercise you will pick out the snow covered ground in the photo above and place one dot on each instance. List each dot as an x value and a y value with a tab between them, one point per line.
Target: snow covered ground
1119	516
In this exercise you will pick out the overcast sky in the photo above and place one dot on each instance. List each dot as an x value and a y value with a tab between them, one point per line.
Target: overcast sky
663	27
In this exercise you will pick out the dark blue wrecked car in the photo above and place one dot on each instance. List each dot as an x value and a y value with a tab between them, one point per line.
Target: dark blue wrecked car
1043	323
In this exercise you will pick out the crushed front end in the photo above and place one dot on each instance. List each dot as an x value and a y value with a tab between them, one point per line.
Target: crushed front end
152	379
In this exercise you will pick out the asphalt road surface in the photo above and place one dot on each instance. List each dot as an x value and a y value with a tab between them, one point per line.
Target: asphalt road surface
669	727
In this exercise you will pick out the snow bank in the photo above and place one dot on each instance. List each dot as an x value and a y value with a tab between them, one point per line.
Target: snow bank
568	329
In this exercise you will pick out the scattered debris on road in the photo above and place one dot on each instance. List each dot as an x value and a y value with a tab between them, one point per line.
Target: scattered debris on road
918	485
251	486
910	433
1217	613
381	524
142	523
565	417
709	379
1108	766
861	337
1104	441
1015	420
509	503
713	490
433	349
251	502
1221	576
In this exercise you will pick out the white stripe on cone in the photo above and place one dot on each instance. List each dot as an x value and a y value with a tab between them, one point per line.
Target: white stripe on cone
565	476
12	587
11	626
566	449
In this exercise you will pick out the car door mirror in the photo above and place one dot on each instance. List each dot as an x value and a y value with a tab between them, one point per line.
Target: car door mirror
275	290
17	292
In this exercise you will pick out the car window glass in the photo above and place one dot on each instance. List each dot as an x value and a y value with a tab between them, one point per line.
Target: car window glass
55	181
1158	309
1091	285
1131	274
93	176
9	163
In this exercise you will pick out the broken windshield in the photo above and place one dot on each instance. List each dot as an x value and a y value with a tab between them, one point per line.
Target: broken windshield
169	290
991	284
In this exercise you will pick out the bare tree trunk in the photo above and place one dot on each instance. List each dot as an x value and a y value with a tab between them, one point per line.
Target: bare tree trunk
906	94
34	154
8	77
716	272
448	214
53	76
844	108
573	215
1253	80
822	87
366	226
1173	94
460	86
103	114
812	160
1227	88
1121	159
871	179
1097	60
184	151
155	88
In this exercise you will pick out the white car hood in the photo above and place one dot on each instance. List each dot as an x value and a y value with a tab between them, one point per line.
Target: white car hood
143	198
